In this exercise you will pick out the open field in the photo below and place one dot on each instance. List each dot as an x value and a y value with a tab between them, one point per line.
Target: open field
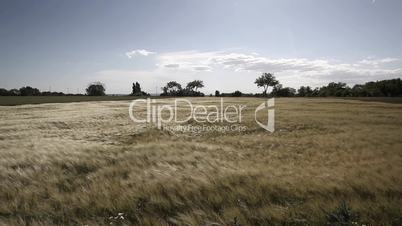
82	163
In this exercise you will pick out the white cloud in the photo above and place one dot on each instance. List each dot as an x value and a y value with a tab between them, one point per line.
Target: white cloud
376	62
187	60
201	68
227	71
362	70
172	65
139	52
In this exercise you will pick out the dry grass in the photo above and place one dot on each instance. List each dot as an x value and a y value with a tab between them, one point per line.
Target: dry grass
82	163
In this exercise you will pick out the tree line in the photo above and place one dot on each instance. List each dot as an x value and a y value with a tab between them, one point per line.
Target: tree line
383	88
28	91
93	89
174	88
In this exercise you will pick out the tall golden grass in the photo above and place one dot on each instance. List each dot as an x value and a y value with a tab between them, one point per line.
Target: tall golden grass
88	164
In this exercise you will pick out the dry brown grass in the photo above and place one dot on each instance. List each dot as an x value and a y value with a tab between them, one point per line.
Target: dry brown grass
81	163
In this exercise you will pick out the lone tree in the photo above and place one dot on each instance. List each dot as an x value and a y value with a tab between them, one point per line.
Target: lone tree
136	89
96	89
196	84
266	80
172	88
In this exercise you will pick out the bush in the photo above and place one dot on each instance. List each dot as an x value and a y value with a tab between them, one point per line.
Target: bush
236	93
342	215
96	89
29	91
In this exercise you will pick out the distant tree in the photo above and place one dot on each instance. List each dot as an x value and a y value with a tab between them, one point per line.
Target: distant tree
266	80
236	93
47	93
337	89
172	88
301	91
389	88
96	89
280	91
315	92
29	91
136	90
192	89
195	85
14	92
305	91
373	89
165	91
217	94
4	92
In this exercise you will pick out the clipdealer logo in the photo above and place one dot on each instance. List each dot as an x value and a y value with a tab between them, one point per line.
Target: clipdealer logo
164	114
269	104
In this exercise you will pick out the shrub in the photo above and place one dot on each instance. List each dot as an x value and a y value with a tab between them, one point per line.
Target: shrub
342	215
96	89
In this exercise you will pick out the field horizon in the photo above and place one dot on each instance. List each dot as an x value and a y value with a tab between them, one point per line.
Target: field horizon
24	100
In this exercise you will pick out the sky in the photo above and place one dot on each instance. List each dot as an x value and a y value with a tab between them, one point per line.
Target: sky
63	45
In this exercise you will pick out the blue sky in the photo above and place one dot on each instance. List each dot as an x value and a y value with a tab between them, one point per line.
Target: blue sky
226	43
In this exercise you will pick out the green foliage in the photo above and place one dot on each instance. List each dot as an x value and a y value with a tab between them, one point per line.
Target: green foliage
174	88
383	88
136	88
29	91
342	216
195	85
236	93
266	80
386	88
305	91
280	91
335	89
3	92
136	91
96	89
